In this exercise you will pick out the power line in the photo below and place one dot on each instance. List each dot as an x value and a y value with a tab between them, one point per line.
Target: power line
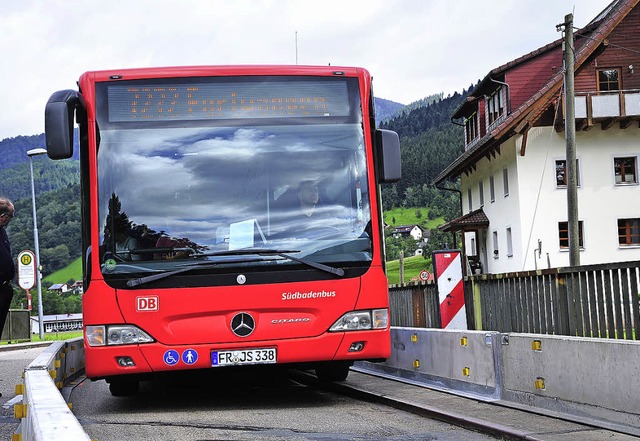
609	43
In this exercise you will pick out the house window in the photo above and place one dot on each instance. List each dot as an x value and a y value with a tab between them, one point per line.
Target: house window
505	180
495	106
563	233
608	80
481	192
471	127
492	189
625	170
509	243
469	199
496	253
561	173
629	232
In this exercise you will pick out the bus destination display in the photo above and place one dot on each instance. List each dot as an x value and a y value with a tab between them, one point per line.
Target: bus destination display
227	100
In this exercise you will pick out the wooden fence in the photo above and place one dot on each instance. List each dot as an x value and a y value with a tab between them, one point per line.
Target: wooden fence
587	301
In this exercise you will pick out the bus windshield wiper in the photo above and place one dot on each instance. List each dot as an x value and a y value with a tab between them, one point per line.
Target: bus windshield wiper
200	265
286	254
257	251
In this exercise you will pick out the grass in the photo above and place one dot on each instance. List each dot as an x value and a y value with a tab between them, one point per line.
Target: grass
50	336
414	264
55	336
71	271
407	216
412	267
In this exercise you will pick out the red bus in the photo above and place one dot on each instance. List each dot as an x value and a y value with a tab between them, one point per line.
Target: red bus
231	217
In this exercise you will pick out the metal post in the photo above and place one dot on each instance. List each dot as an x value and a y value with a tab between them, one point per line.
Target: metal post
36	242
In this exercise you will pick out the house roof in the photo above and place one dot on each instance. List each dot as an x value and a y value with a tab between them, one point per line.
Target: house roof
526	114
57	286
58	317
470	221
405	228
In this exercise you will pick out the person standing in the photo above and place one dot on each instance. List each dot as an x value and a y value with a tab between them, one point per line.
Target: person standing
7	267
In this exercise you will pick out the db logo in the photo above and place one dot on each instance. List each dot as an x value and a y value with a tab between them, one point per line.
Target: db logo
150	303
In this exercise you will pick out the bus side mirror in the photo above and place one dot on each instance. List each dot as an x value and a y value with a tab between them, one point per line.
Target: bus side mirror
58	123
388	145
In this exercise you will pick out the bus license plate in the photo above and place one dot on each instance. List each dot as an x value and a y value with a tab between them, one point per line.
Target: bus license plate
243	357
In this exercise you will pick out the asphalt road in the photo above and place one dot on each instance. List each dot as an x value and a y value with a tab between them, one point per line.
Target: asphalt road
264	405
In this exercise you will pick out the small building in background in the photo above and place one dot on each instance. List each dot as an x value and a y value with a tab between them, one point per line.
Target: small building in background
405	231
59	288
57	323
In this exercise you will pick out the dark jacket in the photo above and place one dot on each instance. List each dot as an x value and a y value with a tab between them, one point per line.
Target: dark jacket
7	267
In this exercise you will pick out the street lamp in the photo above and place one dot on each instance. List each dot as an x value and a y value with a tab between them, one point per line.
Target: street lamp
30	154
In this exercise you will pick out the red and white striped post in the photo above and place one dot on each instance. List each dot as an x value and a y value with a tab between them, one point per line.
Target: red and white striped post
447	267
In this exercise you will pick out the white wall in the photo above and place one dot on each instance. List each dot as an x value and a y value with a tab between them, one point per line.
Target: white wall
503	212
600	202
535	205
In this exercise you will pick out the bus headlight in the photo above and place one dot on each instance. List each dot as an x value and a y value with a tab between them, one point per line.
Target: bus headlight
116	335
362	320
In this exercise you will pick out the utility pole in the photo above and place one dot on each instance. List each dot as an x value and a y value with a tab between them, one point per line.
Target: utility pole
570	133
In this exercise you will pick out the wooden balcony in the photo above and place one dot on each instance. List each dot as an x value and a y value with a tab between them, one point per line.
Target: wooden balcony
606	109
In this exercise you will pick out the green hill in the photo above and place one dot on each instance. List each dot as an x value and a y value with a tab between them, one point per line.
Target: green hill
71	271
410	216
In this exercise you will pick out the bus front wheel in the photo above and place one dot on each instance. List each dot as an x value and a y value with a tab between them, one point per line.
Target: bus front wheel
123	387
334	371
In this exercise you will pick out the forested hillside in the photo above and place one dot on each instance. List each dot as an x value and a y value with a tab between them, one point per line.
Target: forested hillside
57	200
13	151
429	142
386	109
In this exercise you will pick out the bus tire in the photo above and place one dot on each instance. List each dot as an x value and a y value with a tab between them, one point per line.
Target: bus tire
334	371
124	388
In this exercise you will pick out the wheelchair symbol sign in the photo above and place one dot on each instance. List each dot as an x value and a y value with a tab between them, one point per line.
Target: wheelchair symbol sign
171	357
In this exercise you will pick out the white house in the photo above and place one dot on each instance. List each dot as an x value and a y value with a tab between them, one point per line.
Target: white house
408	230
513	171
59	288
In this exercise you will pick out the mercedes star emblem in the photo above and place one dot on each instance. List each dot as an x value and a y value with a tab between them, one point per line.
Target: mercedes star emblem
242	324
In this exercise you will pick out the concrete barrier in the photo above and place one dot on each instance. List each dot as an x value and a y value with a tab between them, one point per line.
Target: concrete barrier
592	381
43	412
589	378
461	361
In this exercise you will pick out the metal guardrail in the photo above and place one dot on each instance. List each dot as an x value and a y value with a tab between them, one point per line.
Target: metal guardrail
44	414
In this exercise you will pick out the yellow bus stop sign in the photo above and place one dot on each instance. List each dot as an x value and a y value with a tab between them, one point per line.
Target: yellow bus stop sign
26	269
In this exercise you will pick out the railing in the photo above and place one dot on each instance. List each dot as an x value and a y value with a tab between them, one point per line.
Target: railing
587	301
607	104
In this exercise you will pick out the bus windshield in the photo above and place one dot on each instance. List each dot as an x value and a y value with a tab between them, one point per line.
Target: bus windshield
172	192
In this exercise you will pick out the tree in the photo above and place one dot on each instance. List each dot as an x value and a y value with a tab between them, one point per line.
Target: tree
439	240
393	246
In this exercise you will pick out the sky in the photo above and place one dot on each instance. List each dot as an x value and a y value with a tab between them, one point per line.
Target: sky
413	48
